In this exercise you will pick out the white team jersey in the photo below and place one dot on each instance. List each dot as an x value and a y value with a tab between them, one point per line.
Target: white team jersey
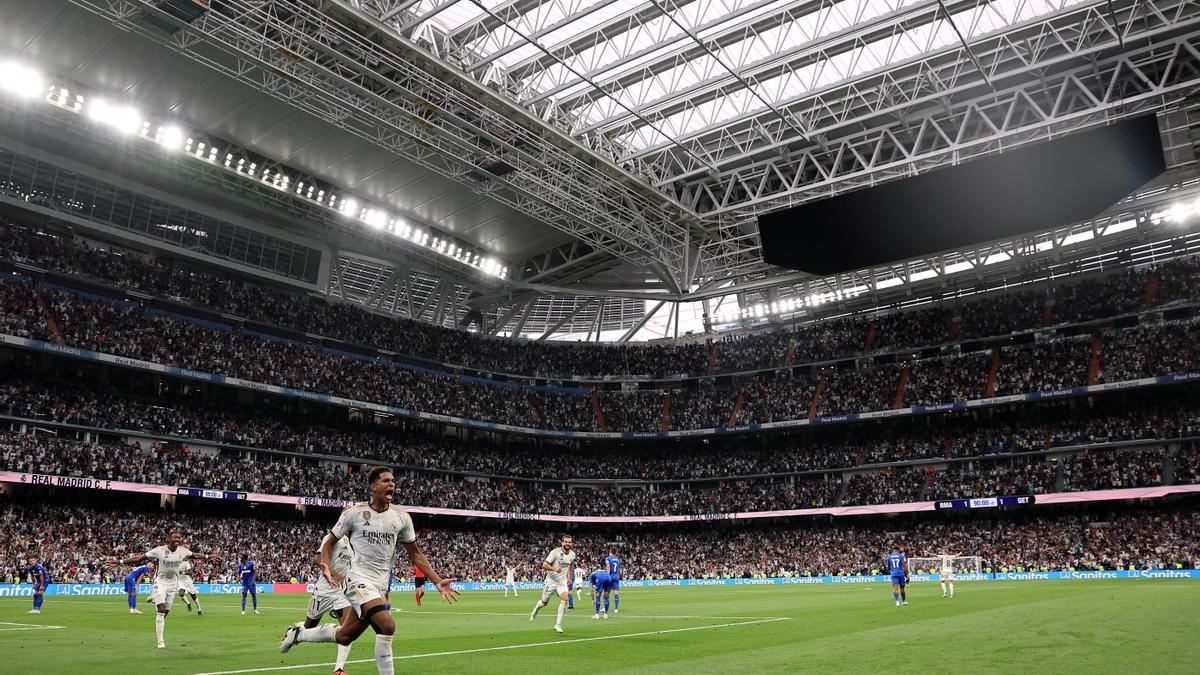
562	560
510	575
373	537
947	563
185	570
339	563
169	563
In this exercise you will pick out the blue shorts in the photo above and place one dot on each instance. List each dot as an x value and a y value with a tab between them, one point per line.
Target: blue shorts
615	584
130	587
898	579
603	587
249	588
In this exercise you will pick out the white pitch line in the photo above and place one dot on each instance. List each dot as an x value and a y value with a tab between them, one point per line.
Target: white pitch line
28	626
458	652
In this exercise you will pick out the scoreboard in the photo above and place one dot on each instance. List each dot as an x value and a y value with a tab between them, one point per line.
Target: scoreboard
984	502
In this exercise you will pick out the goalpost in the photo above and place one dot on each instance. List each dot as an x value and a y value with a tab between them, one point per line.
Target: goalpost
962	564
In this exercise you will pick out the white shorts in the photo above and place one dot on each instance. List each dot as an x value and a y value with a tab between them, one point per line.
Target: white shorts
186	585
163	592
325	600
947	576
553	589
358	594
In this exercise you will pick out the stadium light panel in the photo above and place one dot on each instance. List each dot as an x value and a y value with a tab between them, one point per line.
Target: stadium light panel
349	206
124	119
21	81
171	137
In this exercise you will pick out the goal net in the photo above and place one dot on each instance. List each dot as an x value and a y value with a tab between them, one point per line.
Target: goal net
962	564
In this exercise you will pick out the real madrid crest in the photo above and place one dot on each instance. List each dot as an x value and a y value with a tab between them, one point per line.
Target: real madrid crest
366	516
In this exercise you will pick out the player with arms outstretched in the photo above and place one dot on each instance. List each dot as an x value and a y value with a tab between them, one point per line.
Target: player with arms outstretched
510	580
168	559
559	566
897	563
612	565
246	571
373	528
947	576
41	581
186	585
131	585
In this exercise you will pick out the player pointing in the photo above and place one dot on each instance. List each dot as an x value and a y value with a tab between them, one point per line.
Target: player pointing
559	566
510	580
898	566
168	559
373	528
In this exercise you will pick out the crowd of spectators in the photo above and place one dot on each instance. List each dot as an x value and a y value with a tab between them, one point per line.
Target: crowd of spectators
76	544
993	315
265	473
204	423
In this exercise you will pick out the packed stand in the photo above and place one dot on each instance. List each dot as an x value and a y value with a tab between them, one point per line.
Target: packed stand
992	315
76	545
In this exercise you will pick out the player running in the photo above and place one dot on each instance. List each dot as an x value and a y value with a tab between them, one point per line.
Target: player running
131	585
559	566
374	528
41	581
418	584
510	580
246	570
186	585
601	583
613	565
898	567
330	599
947	577
168	559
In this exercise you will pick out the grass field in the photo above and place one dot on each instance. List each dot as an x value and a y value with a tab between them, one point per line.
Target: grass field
1082	626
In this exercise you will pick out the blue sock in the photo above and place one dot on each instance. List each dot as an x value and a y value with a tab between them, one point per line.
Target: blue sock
616	601
254	597
133	602
903	595
37	603
243	602
596	602
570	600
895	596
606	604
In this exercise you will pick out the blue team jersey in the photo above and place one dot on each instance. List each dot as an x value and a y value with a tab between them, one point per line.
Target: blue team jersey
247	571
613	563
40	577
895	561
135	576
600	580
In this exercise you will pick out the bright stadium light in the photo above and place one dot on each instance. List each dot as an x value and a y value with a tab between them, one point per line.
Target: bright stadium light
21	81
171	137
349	206
123	118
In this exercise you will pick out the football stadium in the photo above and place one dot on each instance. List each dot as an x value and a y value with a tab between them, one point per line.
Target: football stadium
680	336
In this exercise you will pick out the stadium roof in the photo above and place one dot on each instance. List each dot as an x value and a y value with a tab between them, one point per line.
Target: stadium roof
616	153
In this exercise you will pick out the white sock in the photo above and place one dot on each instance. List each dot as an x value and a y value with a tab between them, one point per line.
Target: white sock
160	622
196	599
943	588
538	607
383	655
343	654
322	633
562	607
951	588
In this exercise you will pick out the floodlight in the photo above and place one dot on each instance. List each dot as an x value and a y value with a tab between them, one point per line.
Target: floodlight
20	80
172	137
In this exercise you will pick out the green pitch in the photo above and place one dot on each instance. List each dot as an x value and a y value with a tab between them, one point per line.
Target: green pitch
1072	626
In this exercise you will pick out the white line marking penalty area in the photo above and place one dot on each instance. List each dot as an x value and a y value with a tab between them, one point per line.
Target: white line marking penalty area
551	643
